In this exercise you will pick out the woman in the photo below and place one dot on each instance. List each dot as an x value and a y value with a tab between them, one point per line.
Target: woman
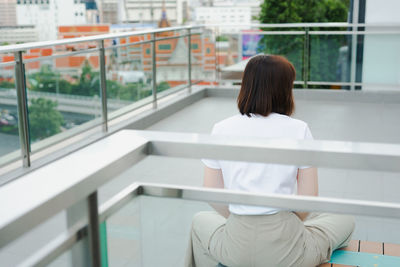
261	236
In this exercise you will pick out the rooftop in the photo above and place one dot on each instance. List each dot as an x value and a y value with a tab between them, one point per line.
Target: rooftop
118	167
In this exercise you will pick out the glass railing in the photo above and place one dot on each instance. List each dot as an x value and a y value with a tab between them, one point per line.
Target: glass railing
322	53
52	91
142	219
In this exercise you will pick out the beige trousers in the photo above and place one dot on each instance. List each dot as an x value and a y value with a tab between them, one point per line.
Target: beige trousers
280	239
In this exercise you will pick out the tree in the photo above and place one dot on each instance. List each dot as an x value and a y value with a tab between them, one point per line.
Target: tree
324	49
89	82
44	119
47	80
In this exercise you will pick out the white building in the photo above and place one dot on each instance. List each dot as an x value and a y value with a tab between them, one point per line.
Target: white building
47	15
255	6
142	11
18	34
224	15
8	15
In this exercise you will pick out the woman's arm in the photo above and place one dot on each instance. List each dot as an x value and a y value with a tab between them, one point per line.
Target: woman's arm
307	185
213	179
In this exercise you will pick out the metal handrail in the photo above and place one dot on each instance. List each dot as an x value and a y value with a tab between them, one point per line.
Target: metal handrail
95	38
188	31
32	45
65	241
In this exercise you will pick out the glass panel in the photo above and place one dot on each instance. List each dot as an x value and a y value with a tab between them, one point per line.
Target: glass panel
172	62
123	231
129	74
9	136
63	96
76	256
290	46
229	55
380	66
203	57
330	57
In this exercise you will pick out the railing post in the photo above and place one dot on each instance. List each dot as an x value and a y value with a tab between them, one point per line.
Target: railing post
23	127
94	231
306	58
103	86
353	63
154	68
216	53
190	60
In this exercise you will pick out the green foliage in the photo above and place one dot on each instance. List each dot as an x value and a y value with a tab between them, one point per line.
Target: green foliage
324	50
162	86
6	84
222	38
48	81
44	118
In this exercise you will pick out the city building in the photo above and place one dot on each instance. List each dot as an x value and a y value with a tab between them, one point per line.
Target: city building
139	11
172	56
47	15
18	34
254	5
224	15
109	11
8	13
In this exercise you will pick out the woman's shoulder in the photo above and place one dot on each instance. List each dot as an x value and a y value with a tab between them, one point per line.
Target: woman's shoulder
291	120
227	122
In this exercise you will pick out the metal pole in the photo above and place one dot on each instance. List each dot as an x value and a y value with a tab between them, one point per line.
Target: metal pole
23	127
306	59
216	52
190	60
103	86
93	227
154	68
353	65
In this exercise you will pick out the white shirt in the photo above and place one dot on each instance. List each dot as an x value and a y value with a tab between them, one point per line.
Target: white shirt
259	177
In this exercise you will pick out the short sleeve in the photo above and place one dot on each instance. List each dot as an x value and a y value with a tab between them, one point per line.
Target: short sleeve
212	163
307	136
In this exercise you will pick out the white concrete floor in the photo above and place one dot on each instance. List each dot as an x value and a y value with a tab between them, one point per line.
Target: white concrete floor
154	232
164	224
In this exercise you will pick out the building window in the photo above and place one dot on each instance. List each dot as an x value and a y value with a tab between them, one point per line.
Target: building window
76	14
208	50
164	47
148	51
195	46
81	13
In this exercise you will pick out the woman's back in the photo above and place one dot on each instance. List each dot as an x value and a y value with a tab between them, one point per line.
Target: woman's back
259	177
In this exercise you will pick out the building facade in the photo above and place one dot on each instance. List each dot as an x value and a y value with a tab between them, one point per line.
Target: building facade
18	34
47	15
8	13
224	15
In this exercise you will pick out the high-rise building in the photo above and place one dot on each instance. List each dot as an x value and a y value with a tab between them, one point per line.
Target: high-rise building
47	15
8	15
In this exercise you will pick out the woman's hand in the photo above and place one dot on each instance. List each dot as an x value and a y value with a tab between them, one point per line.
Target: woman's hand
213	179
307	185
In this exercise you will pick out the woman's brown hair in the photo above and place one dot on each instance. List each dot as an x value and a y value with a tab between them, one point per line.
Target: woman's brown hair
267	86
